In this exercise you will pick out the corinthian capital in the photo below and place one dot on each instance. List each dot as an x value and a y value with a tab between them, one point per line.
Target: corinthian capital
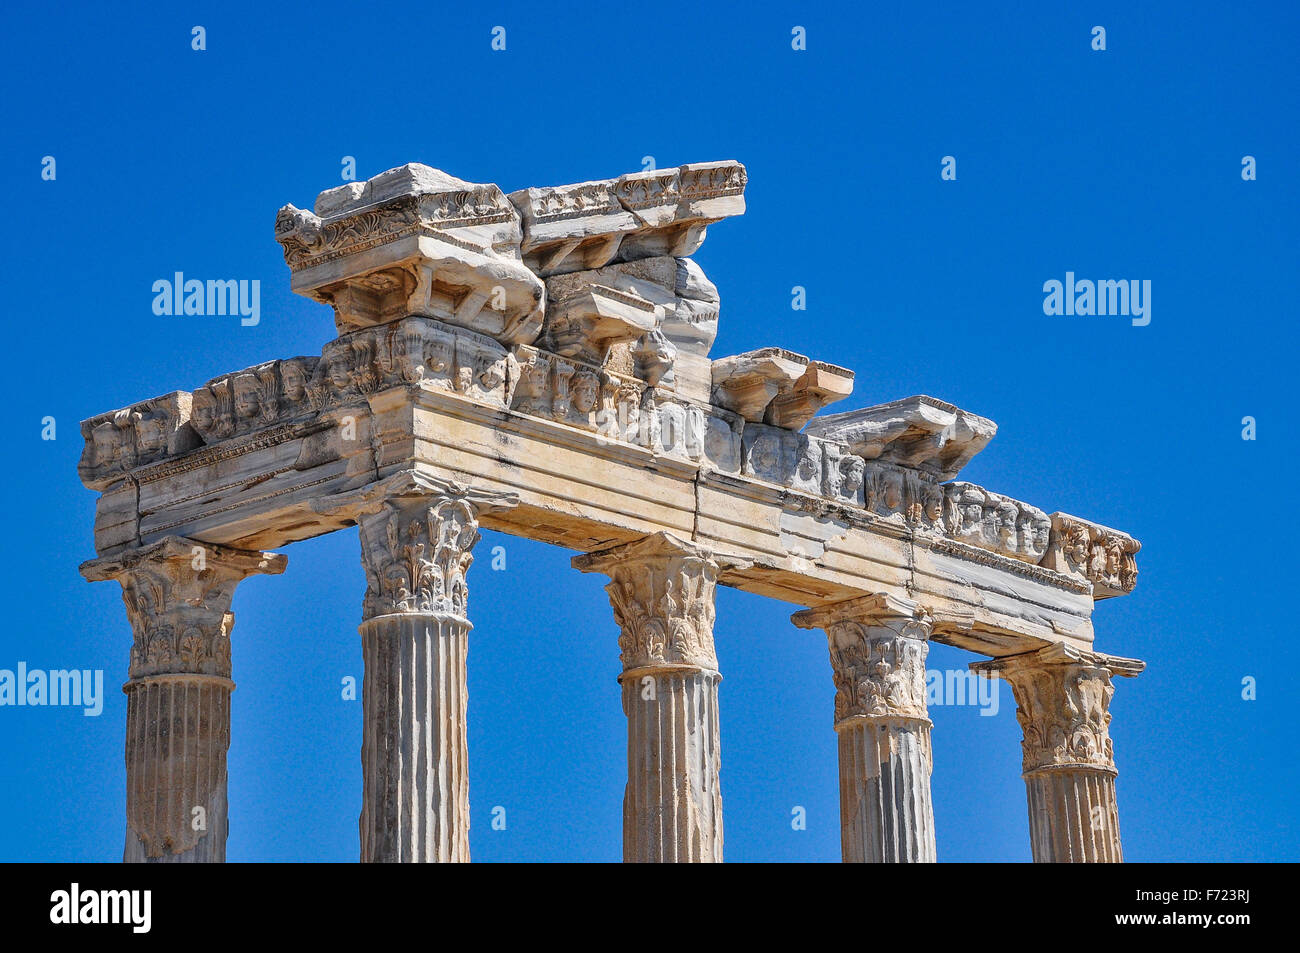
878	645
417	534
1063	704
661	590
177	594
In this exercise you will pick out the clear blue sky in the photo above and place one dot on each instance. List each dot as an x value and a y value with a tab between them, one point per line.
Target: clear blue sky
1124	163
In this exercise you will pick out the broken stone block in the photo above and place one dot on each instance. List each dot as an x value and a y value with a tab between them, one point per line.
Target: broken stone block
746	383
820	384
414	240
663	212
778	387
686	304
920	432
588	323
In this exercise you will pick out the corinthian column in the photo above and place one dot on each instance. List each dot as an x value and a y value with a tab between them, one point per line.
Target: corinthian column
417	534
177	594
1062	704
878	646
661	590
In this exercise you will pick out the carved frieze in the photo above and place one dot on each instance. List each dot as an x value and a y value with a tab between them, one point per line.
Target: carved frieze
623	408
813	466
135	436
415	350
994	522
1104	556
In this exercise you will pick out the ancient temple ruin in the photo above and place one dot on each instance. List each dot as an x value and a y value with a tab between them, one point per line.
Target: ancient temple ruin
539	363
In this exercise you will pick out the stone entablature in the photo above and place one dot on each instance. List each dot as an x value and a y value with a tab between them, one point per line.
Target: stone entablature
1104	556
279	400
618	352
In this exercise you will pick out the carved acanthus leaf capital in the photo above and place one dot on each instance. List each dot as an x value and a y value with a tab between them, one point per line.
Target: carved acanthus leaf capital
662	591
177	593
417	534
878	645
1063	704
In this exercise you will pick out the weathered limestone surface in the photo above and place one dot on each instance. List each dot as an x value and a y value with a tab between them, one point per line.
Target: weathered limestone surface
417	538
878	646
414	240
919	433
177	594
662	589
639	215
1063	705
543	357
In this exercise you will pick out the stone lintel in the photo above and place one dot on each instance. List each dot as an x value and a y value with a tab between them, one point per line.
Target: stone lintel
409	485
655	546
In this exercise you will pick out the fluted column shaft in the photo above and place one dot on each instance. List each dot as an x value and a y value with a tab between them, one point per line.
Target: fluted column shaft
662	592
177	594
878	646
416	542
414	753
1063	706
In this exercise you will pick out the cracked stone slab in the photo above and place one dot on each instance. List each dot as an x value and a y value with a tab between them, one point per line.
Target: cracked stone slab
662	212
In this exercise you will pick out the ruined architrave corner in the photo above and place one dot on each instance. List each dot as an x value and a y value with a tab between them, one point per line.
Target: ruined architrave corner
539	364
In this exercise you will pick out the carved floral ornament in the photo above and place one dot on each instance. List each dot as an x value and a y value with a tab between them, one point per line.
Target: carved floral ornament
177	594
1062	703
662	593
417	537
878	646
